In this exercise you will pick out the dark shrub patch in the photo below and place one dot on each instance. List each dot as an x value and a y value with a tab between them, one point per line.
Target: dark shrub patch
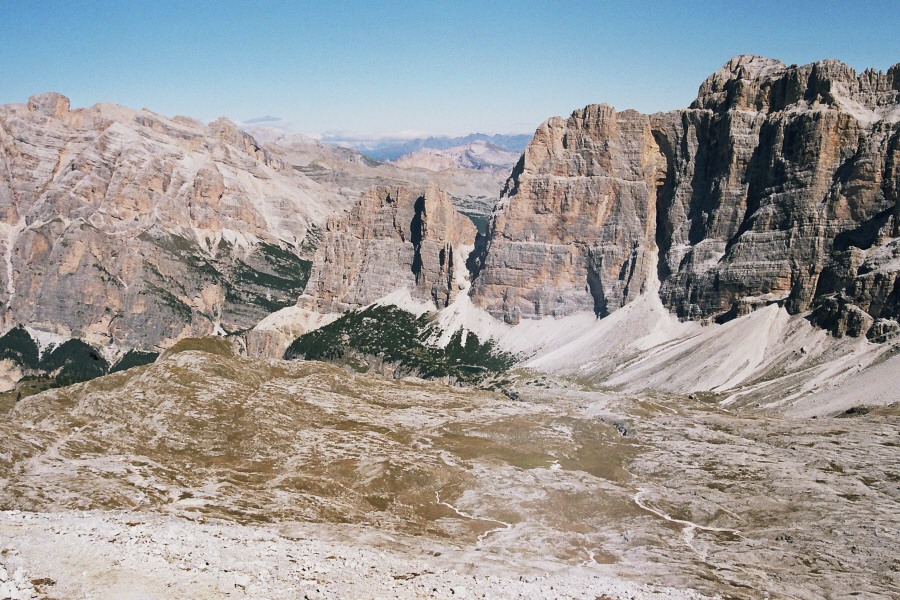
134	358
76	362
17	346
395	336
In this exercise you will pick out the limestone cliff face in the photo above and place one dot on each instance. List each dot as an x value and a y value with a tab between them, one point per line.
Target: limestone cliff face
777	184
574	227
772	170
122	226
393	238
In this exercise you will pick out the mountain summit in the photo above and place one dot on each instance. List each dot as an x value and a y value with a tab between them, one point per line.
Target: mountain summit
779	184
125	227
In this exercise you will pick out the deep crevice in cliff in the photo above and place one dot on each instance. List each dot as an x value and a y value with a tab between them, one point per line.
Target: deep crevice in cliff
595	284
511	187
476	258
417	229
891	185
665	194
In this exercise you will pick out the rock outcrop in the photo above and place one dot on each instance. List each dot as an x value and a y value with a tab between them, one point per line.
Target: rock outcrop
393	238
471	175
773	170
126	227
574	227
778	184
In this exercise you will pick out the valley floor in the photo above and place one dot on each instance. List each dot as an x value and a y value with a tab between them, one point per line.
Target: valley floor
206	475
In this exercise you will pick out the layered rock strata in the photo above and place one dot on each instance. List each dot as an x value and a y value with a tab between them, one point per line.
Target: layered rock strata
393	238
574	227
778	184
125	227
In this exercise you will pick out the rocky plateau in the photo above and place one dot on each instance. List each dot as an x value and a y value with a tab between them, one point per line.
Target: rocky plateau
208	474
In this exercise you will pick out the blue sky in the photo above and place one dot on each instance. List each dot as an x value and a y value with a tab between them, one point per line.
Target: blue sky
444	67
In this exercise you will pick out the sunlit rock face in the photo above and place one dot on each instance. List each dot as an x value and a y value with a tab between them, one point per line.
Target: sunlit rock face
122	226
394	238
574	228
777	184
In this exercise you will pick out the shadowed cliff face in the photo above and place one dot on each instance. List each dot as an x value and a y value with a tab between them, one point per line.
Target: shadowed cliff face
777	184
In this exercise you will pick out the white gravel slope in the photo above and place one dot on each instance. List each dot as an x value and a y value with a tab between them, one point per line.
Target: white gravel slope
137	556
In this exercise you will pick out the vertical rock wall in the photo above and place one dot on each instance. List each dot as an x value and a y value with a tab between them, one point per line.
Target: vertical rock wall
393	238
574	228
778	184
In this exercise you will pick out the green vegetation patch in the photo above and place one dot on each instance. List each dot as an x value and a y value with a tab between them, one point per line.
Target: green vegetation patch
271	278
134	358
395	336
210	345
267	279
479	220
74	361
17	346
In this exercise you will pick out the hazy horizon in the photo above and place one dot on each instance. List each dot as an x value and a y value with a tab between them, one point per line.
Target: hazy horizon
383	69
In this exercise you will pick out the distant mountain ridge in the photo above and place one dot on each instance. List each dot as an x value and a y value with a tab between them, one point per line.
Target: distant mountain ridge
478	156
263	119
394	148
472	174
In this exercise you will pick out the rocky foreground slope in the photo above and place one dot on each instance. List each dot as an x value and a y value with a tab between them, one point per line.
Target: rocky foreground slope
779	184
207	473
